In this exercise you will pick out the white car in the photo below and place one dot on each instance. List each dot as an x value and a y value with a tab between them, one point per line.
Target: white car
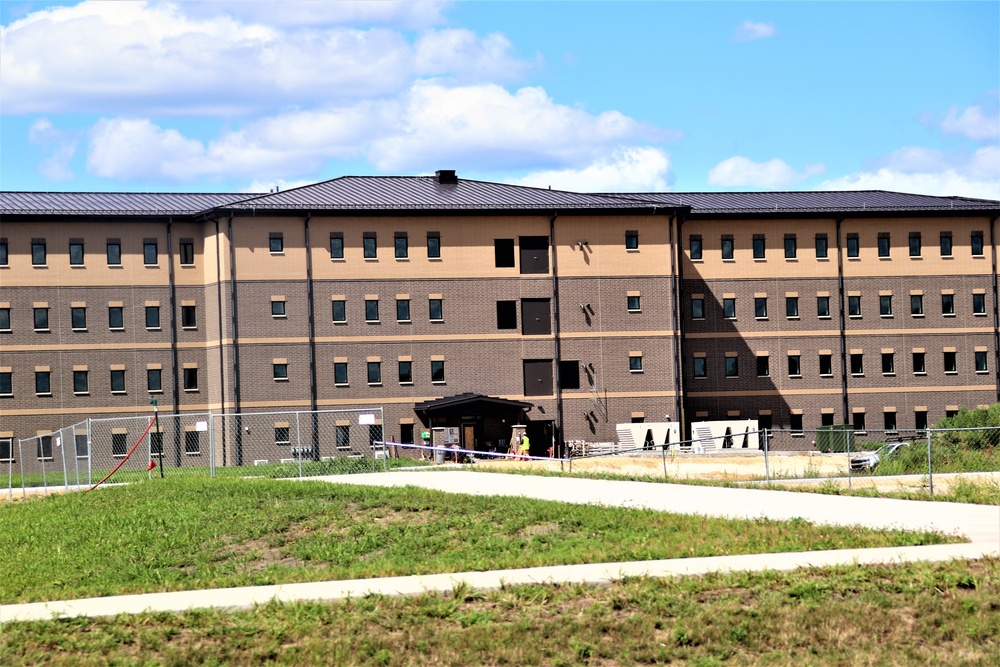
869	461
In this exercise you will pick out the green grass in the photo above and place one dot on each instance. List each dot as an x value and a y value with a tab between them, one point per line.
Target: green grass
912	614
189	533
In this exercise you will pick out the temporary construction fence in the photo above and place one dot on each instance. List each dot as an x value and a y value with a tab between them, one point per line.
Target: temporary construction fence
259	444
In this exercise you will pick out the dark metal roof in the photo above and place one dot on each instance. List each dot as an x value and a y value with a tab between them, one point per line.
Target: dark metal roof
376	193
112	203
810	202
466	400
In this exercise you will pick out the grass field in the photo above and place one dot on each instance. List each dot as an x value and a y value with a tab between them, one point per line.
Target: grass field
915	614
189	533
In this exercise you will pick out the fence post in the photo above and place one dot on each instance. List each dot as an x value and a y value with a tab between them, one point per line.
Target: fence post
663	455
149	449
211	445
848	437
767	465
90	454
298	442
930	467
20	462
62	448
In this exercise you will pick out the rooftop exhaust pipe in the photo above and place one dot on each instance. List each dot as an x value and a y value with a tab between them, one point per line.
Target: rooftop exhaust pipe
447	177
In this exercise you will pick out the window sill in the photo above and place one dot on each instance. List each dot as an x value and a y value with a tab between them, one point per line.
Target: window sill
916	316
791	259
947	257
635	311
798	434
799	376
792	317
189	328
39	266
694	260
761	319
154	329
639	372
371	259
342	384
731	260
278	317
192	453
187	266
437	321
404	321
947	314
979	314
884	257
853	259
434	259
339	322
337	259
81	393
151	266
631	250
951	372
6	395
760	259
44	394
886	317
823	317
826	375
374	384
280	379
699	319
402	259
3	331
116	266
438	382
920	373
274	253
373	321
154	391
822	259
119	393
77	266
977	373
405	384
116	328
700	377
191	391
857	375
888	375
854	317
43	330
75	330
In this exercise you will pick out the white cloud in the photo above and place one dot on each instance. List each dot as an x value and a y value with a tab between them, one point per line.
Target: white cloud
127	148
972	122
281	184
739	171
929	172
409	14
633	169
751	30
59	147
157	58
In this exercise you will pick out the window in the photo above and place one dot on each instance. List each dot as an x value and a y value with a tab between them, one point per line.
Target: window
946	247
729	308
192	442
117	382
154	380
694	246
634	303
981	366
791	246
826	419
853	246
340	373
635	363
503	252
857	364
405	372
795	423
406	434
854	306
3	252
116	317
698	308
435	309
977	244
38	255
81	382
149	252
858	421
374	435
727	246
947	304
534	254
763	366
336	245
41	319
433	251
822	246
760	307
883	244
950	362
401	245
914	244
6	449
76	253
758	246
6	383
119	444
190	379
506	314
885	305
114	252
78	318
920	419
569	374
369	242
187	252
276	242
152	317
279	371
44	450
979	304
888	363
950	413
823	306
825	365
189	318
339	310
5	320
794	365
437	371
374	372
732	367
156	442
792	307
402	310
631	239
277	308
916	305
371	310
889	421
43	383
919	364
700	367
343	436
282	435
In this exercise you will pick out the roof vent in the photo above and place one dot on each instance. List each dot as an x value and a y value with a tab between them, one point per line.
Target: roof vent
447	177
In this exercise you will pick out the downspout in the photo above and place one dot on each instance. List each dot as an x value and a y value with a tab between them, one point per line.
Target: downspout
174	364
996	315
557	448
222	333
235	324
676	289
843	332
311	318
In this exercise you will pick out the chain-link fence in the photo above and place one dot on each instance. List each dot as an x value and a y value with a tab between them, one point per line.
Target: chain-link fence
130	449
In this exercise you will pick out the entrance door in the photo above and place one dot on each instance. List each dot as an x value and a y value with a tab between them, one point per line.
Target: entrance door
469	436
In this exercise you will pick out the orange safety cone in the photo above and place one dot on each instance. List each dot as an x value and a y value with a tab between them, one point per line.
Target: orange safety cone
152	464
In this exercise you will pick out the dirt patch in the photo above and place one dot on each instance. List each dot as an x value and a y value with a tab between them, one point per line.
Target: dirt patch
536	529
257	555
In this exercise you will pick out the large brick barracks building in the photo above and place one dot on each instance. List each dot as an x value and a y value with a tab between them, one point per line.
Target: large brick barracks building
799	309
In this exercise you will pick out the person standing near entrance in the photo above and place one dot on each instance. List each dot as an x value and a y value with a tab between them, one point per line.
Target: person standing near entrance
525	447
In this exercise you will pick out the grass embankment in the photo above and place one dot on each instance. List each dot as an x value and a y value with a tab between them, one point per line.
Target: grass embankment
194	533
913	614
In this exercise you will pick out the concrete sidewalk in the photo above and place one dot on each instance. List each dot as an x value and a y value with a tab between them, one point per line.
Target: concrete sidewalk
981	524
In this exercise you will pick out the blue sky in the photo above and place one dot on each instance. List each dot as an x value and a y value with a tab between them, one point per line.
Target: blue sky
238	95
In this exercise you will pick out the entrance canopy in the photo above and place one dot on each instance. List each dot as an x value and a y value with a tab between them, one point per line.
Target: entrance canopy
469	404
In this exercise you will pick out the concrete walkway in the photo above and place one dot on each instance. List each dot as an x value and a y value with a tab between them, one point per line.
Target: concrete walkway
979	523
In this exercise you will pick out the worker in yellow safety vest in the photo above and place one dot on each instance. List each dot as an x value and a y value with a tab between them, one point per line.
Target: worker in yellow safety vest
525	447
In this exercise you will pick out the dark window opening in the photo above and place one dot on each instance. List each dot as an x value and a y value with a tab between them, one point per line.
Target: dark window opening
506	314
569	374
187	253
503	252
